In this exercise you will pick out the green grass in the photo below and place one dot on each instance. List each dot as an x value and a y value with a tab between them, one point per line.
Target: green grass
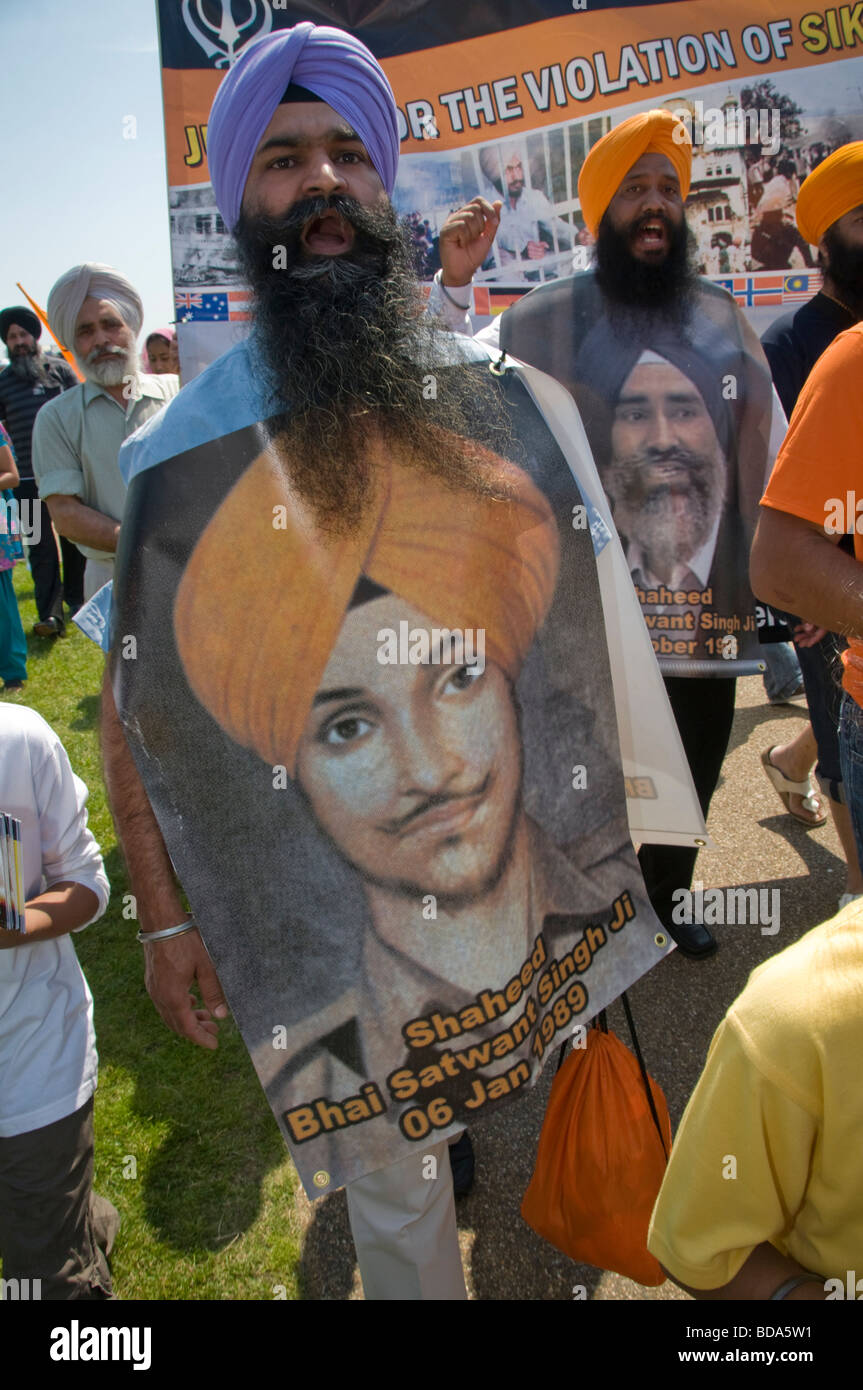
186	1145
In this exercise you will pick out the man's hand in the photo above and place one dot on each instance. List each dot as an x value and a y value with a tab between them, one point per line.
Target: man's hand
808	635
171	967
466	238
537	249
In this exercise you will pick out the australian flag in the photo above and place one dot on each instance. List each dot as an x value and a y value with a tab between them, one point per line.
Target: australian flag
194	305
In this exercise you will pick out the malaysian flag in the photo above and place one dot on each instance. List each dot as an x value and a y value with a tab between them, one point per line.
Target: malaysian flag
799	288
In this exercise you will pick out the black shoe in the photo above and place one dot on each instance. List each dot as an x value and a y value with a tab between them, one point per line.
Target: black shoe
462	1163
49	627
694	941
13	685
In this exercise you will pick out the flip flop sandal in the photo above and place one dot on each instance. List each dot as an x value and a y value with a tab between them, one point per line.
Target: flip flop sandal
786	789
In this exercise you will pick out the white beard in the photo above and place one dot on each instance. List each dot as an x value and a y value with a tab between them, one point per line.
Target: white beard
115	371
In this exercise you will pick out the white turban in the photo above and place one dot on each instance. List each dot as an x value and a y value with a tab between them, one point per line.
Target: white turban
100	281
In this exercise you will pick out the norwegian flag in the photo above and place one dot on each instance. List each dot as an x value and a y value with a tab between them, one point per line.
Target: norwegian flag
754	292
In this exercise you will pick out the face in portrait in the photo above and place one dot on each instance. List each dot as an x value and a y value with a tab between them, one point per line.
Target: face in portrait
514	175
413	771
667	474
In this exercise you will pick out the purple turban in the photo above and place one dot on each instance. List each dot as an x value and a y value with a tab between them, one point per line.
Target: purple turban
334	65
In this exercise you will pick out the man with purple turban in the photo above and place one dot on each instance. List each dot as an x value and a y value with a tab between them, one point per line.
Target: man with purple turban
308	477
302	152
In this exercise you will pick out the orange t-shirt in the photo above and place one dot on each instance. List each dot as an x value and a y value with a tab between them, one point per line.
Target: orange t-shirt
821	460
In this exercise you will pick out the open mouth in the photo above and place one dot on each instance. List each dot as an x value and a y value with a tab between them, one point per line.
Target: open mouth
651	236
328	235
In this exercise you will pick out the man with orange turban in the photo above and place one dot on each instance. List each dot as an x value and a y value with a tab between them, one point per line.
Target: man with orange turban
377	819
643	289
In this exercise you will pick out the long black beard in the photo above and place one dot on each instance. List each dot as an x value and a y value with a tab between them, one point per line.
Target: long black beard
665	289
845	269
29	366
348	353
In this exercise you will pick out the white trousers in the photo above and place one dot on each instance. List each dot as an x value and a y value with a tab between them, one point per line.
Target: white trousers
404	1230
96	573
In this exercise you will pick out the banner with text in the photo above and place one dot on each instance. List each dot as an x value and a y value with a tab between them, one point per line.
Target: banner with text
768	89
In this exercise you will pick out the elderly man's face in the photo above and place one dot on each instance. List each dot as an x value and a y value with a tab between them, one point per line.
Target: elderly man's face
20	343
104	344
413	771
667	472
647	207
309	151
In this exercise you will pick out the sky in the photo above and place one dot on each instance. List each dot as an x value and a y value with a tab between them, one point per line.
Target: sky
74	189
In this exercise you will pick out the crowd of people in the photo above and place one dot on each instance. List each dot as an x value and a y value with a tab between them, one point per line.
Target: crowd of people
303	149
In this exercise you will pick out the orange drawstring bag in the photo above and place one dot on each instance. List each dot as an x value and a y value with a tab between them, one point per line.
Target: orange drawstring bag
601	1158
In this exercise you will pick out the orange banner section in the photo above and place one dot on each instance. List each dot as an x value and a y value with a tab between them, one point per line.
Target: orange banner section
188	96
561	69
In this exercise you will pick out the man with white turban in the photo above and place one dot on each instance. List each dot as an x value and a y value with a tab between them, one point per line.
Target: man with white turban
632	189
95	311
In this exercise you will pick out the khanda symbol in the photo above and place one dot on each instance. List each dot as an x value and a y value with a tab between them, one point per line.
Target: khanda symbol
222	41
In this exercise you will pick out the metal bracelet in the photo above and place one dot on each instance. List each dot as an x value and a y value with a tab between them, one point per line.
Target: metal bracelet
464	307
784	1289
145	936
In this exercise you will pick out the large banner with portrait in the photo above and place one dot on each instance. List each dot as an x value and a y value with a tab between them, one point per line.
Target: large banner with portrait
507	101
403	736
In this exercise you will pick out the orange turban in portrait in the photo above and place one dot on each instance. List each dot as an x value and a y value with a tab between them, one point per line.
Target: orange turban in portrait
465	559
613	156
831	190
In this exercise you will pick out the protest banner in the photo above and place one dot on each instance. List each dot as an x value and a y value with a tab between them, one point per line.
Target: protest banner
768	90
510	111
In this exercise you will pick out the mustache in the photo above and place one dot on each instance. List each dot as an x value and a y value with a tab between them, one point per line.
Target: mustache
431	803
654	458
97	352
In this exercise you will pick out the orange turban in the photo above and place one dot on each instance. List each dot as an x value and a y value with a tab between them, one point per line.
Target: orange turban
613	156
466	560
831	190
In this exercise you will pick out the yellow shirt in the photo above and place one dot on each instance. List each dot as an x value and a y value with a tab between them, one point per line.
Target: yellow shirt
769	1147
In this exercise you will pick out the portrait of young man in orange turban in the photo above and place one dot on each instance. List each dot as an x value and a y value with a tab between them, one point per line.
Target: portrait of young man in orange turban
410	767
